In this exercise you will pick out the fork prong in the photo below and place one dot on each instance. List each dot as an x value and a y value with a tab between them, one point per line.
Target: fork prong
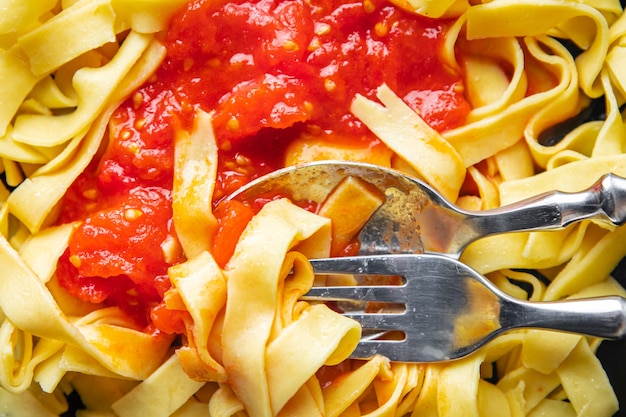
404	351
378	265
381	293
368	348
379	321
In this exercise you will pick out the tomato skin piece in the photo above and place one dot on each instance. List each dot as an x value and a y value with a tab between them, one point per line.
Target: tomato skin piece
142	152
269	101
89	289
169	321
133	299
232	218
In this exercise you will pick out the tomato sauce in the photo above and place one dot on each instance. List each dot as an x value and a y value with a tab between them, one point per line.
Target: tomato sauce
271	71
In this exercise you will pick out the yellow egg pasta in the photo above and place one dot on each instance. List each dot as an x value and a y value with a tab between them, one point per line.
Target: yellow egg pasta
413	140
194	180
251	346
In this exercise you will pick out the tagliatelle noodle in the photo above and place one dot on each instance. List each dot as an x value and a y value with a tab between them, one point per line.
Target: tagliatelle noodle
338	397
202	287
612	135
286	321
497	130
114	347
145	397
21	202
23	14
489	88
250	316
51	45
18	81
137	60
144	16
28	403
409	136
89	84
54	116
195	173
500	19
225	403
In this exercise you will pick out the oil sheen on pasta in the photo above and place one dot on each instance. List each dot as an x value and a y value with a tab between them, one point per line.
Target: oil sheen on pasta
272	72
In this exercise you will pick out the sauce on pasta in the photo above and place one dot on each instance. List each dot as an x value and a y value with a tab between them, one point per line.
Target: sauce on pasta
271	71
113	84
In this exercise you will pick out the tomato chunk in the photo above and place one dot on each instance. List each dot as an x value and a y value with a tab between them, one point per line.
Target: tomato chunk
232	217
115	255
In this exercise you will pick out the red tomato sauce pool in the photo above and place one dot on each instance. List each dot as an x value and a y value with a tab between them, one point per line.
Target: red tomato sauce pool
271	71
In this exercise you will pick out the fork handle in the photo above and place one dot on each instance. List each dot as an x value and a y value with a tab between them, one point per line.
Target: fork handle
605	200
603	317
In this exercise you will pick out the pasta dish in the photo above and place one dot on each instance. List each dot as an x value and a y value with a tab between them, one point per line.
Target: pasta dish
132	287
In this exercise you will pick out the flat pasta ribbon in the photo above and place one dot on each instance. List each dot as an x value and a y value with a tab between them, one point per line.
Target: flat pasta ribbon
409	136
28	304
195	174
501	18
53	182
252	301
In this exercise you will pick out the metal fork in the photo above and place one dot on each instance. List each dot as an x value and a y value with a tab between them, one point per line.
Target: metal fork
448	310
415	218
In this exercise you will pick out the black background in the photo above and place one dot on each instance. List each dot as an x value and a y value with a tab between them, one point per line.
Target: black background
613	354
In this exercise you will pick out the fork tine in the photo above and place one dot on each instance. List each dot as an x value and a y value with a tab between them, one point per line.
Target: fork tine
450	310
405	351
368	348
379	265
382	293
379	321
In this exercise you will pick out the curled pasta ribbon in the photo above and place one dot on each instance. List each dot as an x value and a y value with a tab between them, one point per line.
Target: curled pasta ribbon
582	23
253	334
89	83
546	108
155	395
591	139
611	139
202	286
103	342
460	388
51	181
42	45
285	341
547	249
616	57
17	365
63	87
496	128
144	17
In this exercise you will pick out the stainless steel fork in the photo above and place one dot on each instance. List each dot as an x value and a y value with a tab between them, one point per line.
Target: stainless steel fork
444	310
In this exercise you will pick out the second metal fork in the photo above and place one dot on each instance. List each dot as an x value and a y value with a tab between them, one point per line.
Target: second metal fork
448	310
